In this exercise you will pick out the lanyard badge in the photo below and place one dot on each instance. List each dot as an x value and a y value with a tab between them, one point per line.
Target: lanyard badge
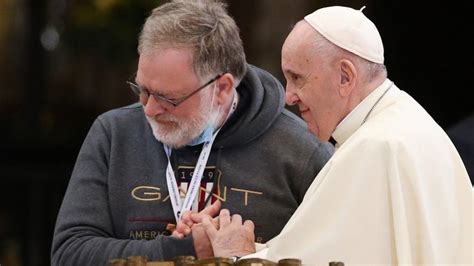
179	207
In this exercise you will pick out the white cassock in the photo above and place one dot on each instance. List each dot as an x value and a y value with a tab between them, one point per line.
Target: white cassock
394	193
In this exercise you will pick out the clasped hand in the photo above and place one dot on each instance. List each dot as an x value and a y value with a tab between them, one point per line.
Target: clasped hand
222	236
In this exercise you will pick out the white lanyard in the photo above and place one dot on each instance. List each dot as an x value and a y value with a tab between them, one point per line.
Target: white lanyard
180	207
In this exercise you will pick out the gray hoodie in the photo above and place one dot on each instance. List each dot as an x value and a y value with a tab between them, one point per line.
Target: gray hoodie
117	202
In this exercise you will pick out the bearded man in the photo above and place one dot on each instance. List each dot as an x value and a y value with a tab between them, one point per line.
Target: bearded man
208	127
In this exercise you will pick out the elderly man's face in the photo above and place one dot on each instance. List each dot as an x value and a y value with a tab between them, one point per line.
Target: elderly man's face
169	73
309	82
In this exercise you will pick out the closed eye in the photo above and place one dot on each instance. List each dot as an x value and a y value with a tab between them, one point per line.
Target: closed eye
294	77
159	95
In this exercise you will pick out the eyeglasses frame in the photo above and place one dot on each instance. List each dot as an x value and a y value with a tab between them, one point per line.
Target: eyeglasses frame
138	90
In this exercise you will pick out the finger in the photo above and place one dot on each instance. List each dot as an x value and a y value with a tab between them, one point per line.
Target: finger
224	218
211	231
175	234
215	222
249	225
212	210
181	228
236	219
197	217
186	218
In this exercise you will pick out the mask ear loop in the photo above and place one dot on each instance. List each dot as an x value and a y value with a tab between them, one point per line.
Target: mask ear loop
213	119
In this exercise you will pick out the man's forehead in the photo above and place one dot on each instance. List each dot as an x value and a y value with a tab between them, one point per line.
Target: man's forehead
176	55
167	71
300	37
168	61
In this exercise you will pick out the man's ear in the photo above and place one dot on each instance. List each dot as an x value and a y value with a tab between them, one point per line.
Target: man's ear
225	85
348	76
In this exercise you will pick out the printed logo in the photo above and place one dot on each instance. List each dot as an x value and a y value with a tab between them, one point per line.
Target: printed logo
209	185
210	189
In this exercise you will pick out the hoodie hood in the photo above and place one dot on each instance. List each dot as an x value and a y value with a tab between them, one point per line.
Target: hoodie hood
261	102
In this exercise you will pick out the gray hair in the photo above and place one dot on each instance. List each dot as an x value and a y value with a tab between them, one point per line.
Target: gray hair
329	52
204	27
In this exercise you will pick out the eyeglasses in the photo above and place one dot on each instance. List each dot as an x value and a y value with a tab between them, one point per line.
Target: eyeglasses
144	94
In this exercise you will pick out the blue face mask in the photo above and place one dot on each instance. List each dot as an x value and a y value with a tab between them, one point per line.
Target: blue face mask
206	135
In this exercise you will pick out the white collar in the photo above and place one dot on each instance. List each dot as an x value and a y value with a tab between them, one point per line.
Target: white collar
359	114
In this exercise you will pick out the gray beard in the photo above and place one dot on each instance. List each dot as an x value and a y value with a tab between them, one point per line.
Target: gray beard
176	133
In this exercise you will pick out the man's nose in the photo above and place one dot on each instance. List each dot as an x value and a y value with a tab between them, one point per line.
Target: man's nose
154	107
291	98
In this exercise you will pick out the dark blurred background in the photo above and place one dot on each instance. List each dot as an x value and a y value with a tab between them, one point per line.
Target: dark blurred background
63	62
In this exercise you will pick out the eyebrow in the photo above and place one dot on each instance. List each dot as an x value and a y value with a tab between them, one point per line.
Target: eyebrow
171	95
291	72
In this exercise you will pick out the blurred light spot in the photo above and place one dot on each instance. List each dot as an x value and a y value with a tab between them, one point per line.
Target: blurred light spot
50	38
105	5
